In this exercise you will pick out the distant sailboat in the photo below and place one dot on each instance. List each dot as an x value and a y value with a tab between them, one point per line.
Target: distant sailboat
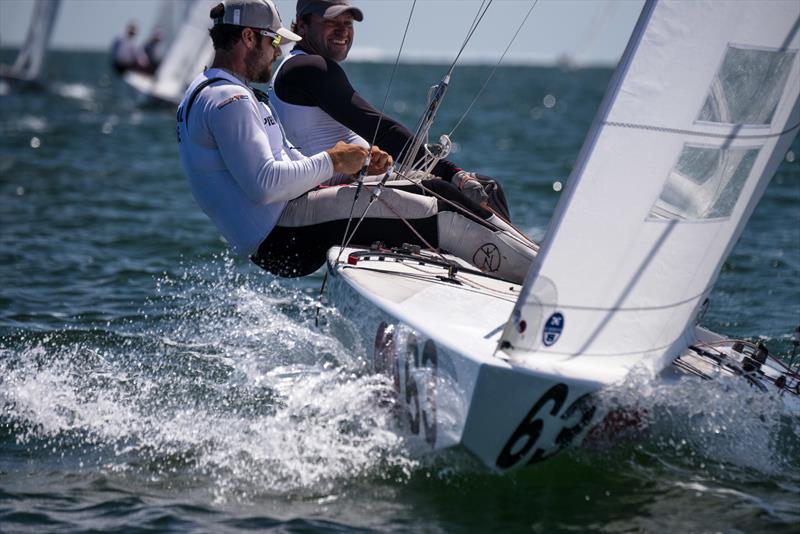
28	68
188	53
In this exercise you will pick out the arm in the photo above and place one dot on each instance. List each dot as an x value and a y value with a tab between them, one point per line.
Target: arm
311	80
244	146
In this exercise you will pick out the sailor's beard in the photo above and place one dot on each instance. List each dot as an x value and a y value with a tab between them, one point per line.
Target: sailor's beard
259	67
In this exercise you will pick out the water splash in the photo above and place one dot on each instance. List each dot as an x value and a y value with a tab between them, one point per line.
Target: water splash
226	382
723	422
77	91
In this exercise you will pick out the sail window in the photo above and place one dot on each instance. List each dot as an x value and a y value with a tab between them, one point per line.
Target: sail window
704	184
747	86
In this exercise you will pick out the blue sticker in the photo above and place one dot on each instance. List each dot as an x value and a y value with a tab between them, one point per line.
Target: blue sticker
552	329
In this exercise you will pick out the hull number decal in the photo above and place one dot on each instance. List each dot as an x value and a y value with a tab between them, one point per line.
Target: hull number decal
414	376
527	434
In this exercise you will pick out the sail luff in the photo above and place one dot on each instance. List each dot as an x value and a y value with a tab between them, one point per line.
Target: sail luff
569	189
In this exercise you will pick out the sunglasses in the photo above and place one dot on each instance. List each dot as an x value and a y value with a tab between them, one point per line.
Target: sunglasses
276	39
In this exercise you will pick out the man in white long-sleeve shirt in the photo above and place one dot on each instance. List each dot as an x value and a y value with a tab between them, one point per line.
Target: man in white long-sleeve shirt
241	171
264	196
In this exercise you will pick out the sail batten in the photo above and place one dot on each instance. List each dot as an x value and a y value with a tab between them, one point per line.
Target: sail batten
695	121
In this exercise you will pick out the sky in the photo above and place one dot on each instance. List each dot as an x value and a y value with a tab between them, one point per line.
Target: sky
586	31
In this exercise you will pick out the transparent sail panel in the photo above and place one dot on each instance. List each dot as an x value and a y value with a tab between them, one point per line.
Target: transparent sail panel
747	87
705	183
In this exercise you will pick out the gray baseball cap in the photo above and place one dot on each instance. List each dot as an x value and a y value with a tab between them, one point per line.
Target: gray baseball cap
327	9
260	14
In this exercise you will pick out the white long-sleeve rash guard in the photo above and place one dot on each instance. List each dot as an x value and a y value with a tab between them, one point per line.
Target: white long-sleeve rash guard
240	169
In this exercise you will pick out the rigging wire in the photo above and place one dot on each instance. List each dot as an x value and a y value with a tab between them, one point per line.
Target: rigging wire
423	127
362	174
436	95
491	74
391	78
478	18
482	10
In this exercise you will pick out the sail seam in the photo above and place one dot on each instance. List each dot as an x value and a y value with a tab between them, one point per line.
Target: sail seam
625	309
701	134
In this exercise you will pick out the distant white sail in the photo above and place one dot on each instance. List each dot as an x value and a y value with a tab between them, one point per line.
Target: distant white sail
188	54
170	16
29	64
697	117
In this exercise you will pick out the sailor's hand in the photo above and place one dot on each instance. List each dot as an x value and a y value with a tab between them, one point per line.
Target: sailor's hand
347	158
471	187
379	161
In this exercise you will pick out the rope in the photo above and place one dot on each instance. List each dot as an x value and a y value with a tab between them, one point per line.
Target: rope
472	215
491	74
391	78
363	172
414	231
427	118
475	22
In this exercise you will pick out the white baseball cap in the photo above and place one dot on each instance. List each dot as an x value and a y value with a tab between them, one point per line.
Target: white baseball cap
261	14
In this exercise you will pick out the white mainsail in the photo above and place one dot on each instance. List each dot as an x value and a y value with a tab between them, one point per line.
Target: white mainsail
29	64
188	53
697	117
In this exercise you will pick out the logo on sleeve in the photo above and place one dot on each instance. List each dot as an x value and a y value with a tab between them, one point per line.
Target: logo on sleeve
234	98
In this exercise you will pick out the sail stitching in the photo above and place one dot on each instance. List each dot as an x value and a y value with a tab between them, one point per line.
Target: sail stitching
701	134
626	309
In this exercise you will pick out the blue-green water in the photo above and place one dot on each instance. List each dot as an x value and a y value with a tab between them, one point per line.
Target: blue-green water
148	380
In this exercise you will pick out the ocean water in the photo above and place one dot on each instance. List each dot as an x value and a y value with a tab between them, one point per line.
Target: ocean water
151	381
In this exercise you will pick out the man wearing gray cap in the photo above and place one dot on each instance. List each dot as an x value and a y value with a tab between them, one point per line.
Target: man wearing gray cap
318	105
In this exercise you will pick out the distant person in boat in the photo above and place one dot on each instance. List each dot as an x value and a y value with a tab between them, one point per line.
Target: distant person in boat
125	54
263	194
318	105
152	51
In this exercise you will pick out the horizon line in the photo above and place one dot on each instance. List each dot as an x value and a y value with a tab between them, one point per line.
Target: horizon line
369	55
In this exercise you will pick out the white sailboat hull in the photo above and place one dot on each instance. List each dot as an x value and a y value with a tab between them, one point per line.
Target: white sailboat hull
436	340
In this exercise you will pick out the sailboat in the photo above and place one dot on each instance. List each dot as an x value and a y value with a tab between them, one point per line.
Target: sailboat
28	68
189	52
699	112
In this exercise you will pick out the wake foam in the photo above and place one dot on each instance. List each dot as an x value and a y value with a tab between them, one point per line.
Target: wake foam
721	422
224	380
